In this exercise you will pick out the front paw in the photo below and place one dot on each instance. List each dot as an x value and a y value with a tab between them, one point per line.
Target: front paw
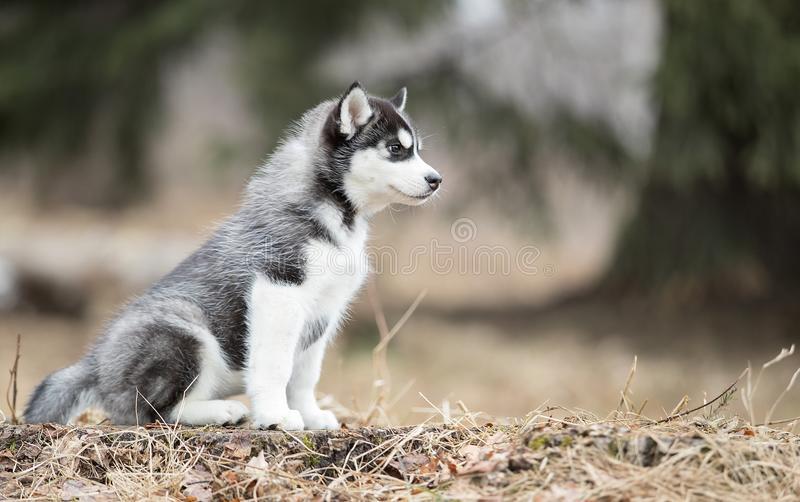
288	420
321	419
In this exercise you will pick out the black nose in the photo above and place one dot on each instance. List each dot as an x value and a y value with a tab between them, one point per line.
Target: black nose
434	180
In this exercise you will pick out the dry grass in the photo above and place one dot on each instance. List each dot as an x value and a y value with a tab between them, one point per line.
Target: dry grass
553	453
11	391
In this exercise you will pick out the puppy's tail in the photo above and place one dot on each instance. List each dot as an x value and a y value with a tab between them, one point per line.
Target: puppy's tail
62	394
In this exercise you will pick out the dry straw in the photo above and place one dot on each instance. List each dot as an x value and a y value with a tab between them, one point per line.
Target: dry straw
553	453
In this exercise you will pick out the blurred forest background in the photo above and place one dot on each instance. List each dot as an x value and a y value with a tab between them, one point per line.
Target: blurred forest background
648	150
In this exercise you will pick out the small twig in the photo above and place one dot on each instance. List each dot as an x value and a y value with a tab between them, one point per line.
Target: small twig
151	407
626	389
182	404
747	397
379	356
399	324
11	390
379	364
377	309
747	394
788	388
681	404
779	422
728	390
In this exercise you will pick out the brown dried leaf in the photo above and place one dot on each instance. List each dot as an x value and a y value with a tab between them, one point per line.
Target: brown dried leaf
28	451
67	452
257	466
452	467
85	491
238	447
430	467
498	438
230	477
565	493
411	462
471	453
481	460
197	485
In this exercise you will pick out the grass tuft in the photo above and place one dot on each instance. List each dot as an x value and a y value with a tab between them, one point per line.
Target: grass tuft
553	453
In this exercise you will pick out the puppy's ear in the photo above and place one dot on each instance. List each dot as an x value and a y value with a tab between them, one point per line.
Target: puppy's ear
354	110
399	99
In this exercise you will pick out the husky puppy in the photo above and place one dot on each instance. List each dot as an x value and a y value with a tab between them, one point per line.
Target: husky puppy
253	309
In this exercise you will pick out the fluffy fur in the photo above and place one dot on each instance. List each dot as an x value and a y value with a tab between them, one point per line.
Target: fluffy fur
254	308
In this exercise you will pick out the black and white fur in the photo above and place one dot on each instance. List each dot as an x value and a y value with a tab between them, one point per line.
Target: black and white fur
253	309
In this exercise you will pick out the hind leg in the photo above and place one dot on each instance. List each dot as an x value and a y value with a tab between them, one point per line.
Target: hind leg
147	369
216	411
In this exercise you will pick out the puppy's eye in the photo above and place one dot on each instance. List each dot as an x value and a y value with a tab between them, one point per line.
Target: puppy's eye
394	149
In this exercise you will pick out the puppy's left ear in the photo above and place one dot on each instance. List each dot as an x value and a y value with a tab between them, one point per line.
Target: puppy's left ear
399	99
354	110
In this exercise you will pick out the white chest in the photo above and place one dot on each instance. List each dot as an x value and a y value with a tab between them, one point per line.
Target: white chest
335	273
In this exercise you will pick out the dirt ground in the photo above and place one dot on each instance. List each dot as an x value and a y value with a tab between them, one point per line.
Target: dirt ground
545	456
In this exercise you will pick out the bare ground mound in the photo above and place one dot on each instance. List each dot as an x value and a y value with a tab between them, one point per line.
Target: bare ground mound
540	458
